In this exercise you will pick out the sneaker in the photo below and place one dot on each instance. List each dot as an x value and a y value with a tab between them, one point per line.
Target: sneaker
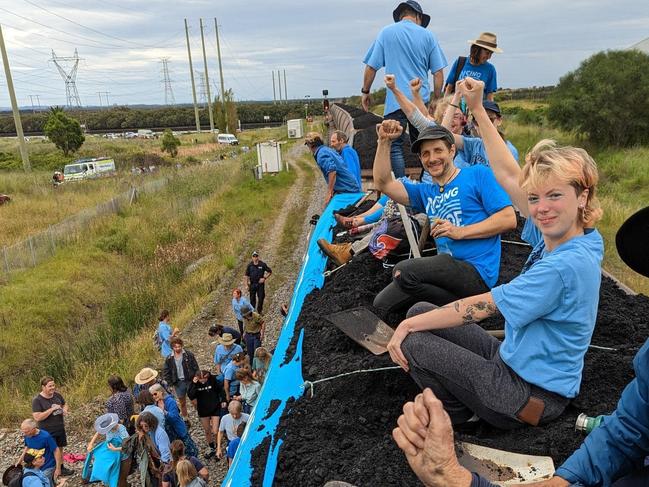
210	454
339	253
66	472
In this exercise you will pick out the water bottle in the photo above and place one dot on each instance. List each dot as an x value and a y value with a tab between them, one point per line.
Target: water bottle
586	424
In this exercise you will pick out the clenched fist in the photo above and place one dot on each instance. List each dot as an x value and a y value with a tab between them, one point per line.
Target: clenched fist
389	130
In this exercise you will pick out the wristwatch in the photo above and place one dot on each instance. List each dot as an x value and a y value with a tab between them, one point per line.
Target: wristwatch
364	91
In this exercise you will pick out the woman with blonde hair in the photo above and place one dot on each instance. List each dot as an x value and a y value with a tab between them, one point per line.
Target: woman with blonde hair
187	475
549	309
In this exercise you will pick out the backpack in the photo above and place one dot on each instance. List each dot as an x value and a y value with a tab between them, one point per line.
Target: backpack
17	481
461	61
157	340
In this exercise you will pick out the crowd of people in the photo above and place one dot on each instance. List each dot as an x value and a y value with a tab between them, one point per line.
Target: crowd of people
470	190
146	427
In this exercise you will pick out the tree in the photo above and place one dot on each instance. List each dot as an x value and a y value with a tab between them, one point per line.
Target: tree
170	143
226	118
606	99
65	132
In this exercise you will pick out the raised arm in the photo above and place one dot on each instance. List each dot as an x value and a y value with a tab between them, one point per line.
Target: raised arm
406	105
388	131
368	78
503	164
415	91
447	121
438	83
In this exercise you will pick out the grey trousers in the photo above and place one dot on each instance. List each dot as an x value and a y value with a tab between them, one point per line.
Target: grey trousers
463	367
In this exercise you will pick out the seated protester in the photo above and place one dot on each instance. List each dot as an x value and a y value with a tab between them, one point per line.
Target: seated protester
234	444
472	149
229	424
175	426
531	376
225	350
179	370
210	399
170	478
147	425
372	215
339	179
419	117
248	389
216	331
260	364
148	405
230	382
467	210
338	142
477	66
33	476
253	326
104	459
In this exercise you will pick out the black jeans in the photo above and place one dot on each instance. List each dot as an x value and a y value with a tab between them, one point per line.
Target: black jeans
440	279
462	366
257	295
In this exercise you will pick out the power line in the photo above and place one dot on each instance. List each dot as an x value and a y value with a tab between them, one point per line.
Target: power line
170	99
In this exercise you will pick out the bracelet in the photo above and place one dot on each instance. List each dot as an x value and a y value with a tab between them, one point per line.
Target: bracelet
364	91
456	106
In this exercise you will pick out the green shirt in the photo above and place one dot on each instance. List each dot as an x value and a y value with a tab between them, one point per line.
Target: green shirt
253	324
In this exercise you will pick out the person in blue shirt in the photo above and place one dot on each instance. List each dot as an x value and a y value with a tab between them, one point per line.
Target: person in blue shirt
239	301
549	309
164	334
467	211
407	50
33	476
338	177
338	141
225	350
477	65
147	424
38	439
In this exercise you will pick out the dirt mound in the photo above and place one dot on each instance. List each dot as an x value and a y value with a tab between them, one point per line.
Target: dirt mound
344	431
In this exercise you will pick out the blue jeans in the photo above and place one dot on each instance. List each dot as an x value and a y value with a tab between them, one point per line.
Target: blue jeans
397	160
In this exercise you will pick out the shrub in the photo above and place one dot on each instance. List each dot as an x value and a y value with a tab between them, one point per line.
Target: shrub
64	132
606	98
170	143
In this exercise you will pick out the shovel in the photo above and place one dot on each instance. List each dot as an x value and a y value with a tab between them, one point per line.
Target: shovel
364	327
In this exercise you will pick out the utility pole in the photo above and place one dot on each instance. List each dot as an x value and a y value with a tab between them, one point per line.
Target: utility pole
31	99
207	81
191	73
169	93
14	106
285	92
279	85
274	97
99	93
218	52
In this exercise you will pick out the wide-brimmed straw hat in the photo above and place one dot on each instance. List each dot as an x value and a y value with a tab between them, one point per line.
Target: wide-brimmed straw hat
106	422
226	339
145	375
488	41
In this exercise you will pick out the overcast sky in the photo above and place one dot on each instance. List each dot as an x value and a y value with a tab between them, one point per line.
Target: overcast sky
320	45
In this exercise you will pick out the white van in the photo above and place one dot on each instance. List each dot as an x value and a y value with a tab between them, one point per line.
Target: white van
228	139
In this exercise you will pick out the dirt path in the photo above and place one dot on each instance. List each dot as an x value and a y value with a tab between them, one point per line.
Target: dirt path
217	310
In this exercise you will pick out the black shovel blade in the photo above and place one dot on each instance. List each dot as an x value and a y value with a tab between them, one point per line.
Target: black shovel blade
632	242
364	327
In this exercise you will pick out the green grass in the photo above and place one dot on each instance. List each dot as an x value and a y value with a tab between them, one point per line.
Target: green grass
623	188
90	309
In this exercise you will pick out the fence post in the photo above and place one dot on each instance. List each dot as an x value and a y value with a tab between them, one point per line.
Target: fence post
51	237
133	196
6	260
31	249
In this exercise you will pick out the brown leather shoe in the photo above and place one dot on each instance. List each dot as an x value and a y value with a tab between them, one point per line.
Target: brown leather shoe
339	253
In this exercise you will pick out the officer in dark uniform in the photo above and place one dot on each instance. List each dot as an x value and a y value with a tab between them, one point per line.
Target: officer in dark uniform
256	274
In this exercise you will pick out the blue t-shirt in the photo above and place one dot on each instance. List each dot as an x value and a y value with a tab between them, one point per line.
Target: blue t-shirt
473	152
43	440
232	447
408	51
471	197
37	479
350	156
164	333
550	311
328	161
237	304
230	374
116	438
485	72
223	357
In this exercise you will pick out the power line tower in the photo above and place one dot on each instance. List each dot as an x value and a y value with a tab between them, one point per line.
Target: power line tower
202	94
170	99
71	93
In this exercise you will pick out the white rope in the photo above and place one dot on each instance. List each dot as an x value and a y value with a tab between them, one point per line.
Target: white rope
309	384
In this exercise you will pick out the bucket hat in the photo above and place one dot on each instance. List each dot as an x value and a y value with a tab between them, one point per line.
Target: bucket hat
411	4
487	40
492	106
432	133
106	422
145	375
226	339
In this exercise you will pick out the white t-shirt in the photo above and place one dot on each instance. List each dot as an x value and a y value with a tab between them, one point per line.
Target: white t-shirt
230	425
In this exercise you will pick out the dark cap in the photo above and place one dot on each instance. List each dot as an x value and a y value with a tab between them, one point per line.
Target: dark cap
492	106
436	132
255	253
411	4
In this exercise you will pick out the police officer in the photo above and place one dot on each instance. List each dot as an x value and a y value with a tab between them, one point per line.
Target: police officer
256	274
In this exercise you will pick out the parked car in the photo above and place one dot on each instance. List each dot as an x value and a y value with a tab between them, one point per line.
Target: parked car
227	139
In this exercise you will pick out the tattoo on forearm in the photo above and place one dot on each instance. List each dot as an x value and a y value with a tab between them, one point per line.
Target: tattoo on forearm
480	307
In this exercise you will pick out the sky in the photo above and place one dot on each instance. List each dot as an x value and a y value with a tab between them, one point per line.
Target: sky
320	45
